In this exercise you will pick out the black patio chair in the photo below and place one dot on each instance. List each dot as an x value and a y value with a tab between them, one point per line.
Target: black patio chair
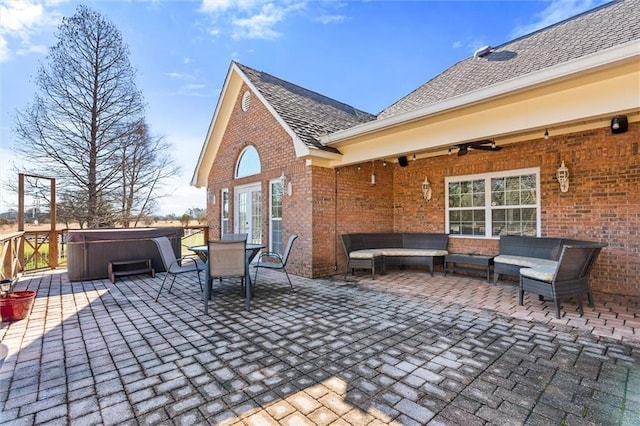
570	278
272	260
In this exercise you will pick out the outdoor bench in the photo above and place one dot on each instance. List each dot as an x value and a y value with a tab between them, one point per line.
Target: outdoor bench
517	251
377	250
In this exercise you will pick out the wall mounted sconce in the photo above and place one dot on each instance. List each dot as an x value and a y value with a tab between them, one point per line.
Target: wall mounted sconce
373	175
619	124
287	188
562	174
211	196
426	189
546	133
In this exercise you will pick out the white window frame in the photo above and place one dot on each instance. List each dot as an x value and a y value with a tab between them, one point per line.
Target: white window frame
245	166
224	193
273	219
488	208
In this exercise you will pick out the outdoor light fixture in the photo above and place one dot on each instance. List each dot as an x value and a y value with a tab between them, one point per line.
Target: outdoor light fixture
426	189
449	151
619	124
211	195
402	161
373	175
286	185
546	133
562	174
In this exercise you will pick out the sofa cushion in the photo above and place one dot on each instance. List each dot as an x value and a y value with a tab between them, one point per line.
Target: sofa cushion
540	273
526	262
412	252
365	254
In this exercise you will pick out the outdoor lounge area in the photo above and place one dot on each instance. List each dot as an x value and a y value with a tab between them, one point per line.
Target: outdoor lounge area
404	349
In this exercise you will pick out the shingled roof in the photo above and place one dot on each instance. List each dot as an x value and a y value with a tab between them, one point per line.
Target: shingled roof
607	26
308	113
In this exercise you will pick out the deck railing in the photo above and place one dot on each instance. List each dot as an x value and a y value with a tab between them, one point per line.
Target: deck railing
27	251
10	265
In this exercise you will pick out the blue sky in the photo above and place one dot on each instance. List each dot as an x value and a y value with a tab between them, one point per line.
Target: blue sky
365	53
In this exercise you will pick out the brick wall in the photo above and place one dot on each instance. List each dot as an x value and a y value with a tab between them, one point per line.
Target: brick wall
602	204
258	128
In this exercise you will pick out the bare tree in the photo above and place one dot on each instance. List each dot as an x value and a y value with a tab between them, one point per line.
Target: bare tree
83	126
145	167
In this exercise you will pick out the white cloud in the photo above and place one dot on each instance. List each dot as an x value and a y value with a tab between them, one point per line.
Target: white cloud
247	19
20	21
179	75
456	44
259	25
330	19
556	11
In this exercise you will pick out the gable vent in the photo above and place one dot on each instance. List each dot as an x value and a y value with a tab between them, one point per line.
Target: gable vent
246	101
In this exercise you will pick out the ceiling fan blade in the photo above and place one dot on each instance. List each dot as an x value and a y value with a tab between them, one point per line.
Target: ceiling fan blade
486	148
482	142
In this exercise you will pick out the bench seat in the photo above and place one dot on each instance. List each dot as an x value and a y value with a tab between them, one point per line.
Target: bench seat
518	251
412	252
540	273
376	250
524	261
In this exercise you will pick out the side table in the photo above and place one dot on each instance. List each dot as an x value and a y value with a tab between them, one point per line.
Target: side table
470	263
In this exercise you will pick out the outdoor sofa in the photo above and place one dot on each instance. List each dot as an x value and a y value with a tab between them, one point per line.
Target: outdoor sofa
516	252
375	251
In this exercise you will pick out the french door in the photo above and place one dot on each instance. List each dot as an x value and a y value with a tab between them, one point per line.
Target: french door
248	212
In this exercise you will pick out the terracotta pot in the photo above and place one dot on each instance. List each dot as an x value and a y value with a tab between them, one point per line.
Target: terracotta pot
16	305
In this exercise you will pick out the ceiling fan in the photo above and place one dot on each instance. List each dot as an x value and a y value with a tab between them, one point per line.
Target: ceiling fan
484	145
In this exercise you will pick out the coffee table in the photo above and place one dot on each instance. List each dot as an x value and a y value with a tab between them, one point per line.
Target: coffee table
469	263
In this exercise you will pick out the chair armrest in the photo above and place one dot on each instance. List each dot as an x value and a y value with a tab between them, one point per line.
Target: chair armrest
270	254
191	258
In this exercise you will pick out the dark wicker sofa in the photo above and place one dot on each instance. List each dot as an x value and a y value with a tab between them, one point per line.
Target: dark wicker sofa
376	250
517	252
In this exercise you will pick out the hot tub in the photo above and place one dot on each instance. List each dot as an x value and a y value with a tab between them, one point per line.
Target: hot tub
90	251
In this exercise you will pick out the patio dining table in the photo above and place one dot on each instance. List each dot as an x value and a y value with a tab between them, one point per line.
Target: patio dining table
251	251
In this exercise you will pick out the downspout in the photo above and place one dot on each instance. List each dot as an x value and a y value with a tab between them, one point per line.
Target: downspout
335	219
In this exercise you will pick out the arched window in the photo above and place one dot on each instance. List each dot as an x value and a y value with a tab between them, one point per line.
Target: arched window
248	163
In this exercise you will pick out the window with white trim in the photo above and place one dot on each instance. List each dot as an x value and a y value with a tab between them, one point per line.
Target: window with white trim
224	212
275	216
248	163
494	204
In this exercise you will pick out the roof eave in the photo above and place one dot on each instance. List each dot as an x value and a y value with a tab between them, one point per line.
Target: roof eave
585	64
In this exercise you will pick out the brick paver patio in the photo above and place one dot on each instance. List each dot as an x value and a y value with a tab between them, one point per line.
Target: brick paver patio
405	348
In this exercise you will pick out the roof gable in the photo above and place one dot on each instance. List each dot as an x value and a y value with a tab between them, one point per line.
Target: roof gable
308	114
610	25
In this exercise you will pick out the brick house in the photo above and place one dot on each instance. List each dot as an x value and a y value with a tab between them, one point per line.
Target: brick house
279	159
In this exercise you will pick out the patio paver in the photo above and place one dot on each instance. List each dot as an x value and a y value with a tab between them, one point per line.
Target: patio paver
403	349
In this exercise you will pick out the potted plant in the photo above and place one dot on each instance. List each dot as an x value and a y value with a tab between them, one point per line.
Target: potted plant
14	305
